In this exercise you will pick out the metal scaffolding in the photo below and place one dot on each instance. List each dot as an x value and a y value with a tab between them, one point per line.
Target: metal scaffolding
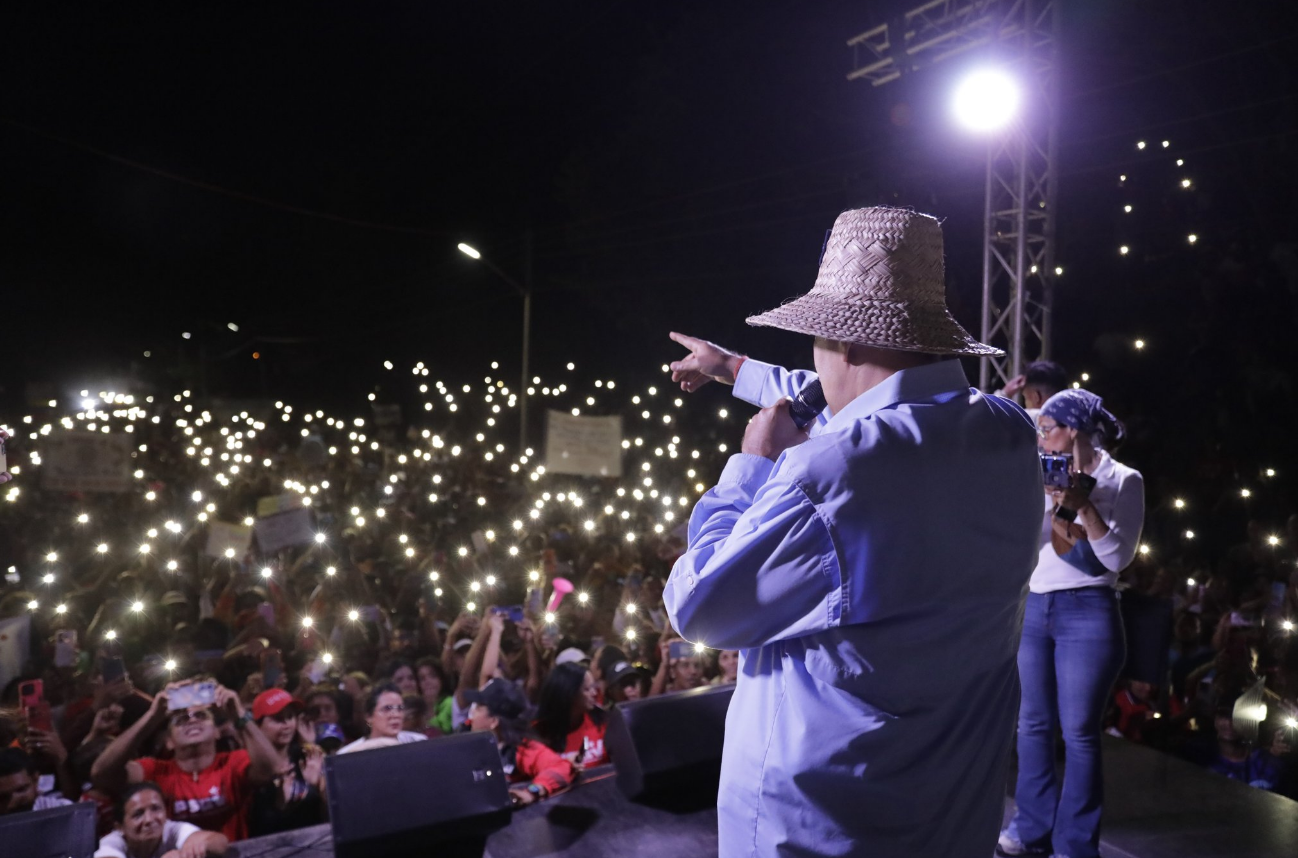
1019	268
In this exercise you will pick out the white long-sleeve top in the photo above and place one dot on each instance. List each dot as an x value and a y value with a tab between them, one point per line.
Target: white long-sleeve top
1119	498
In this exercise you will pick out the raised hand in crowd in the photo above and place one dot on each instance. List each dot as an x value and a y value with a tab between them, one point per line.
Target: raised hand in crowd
313	765
107	723
1014	386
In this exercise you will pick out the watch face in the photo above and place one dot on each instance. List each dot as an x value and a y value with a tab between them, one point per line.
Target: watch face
534	789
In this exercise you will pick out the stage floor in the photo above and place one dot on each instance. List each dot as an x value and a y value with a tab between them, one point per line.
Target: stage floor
1156	806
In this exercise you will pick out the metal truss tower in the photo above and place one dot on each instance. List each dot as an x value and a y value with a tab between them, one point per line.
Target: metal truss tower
1019	268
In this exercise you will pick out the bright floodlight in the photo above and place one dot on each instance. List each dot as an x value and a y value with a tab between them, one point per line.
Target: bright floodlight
986	100
469	251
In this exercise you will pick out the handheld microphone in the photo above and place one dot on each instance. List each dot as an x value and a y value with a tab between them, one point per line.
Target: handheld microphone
809	402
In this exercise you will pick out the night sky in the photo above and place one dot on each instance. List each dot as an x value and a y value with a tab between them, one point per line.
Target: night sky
677	164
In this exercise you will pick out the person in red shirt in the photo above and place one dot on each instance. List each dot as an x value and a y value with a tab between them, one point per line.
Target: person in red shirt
499	707
1134	710
568	720
202	786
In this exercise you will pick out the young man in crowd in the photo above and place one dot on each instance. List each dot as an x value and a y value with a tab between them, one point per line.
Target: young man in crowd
18	784
1042	380
202	786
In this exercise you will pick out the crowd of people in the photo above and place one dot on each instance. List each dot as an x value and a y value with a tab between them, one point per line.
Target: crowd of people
211	682
194	692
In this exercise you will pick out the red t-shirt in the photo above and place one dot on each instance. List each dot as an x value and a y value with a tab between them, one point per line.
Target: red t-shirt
215	799
588	738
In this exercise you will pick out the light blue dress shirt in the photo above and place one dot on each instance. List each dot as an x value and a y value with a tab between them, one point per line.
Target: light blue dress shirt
873	578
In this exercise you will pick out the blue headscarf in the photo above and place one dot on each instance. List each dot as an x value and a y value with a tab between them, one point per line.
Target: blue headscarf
1078	409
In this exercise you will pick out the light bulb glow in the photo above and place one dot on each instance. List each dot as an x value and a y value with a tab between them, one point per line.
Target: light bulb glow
986	100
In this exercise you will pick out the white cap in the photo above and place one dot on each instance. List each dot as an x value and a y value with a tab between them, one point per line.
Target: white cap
571	654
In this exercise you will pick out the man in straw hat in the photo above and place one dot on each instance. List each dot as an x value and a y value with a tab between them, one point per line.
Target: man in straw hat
872	571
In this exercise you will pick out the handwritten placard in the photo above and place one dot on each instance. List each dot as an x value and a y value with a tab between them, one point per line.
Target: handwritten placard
86	462
589	446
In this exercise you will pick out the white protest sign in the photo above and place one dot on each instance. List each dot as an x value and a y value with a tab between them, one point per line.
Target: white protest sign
590	446
15	646
284	529
86	462
222	535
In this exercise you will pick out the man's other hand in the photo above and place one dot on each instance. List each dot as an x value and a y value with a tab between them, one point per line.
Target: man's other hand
772	431
705	362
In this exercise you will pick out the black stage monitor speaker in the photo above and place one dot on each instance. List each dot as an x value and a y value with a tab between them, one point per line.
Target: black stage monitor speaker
60	832
443	797
667	749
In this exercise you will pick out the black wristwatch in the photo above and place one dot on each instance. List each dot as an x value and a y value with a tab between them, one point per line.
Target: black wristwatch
536	790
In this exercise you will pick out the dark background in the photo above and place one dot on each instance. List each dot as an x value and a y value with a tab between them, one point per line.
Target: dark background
678	164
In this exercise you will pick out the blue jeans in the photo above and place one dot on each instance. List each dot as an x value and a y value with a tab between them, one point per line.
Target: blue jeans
1072	650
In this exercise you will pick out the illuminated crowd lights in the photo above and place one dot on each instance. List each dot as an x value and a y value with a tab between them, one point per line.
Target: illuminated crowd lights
646	494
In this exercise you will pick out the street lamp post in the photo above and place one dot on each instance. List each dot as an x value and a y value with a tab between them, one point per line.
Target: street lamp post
524	289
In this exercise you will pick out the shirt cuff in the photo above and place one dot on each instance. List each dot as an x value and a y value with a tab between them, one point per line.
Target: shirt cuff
747	471
750	380
1108	545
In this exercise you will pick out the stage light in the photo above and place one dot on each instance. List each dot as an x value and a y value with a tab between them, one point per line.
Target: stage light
986	100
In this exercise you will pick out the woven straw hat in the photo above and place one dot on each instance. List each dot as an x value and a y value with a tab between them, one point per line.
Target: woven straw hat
880	284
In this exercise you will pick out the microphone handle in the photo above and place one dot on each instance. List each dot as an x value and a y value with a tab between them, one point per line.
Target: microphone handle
809	402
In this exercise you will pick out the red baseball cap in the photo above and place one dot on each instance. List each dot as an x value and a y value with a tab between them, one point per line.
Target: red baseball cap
272	702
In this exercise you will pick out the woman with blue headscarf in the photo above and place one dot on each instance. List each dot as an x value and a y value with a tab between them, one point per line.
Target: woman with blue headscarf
1073	646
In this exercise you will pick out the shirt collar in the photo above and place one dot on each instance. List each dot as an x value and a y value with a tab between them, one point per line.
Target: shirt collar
907	385
1103	468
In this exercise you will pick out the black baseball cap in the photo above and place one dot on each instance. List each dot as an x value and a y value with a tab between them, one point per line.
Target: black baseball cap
501	697
621	672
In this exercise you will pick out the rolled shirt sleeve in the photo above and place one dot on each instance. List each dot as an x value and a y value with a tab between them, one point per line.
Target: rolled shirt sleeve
761	564
764	384
1117	548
